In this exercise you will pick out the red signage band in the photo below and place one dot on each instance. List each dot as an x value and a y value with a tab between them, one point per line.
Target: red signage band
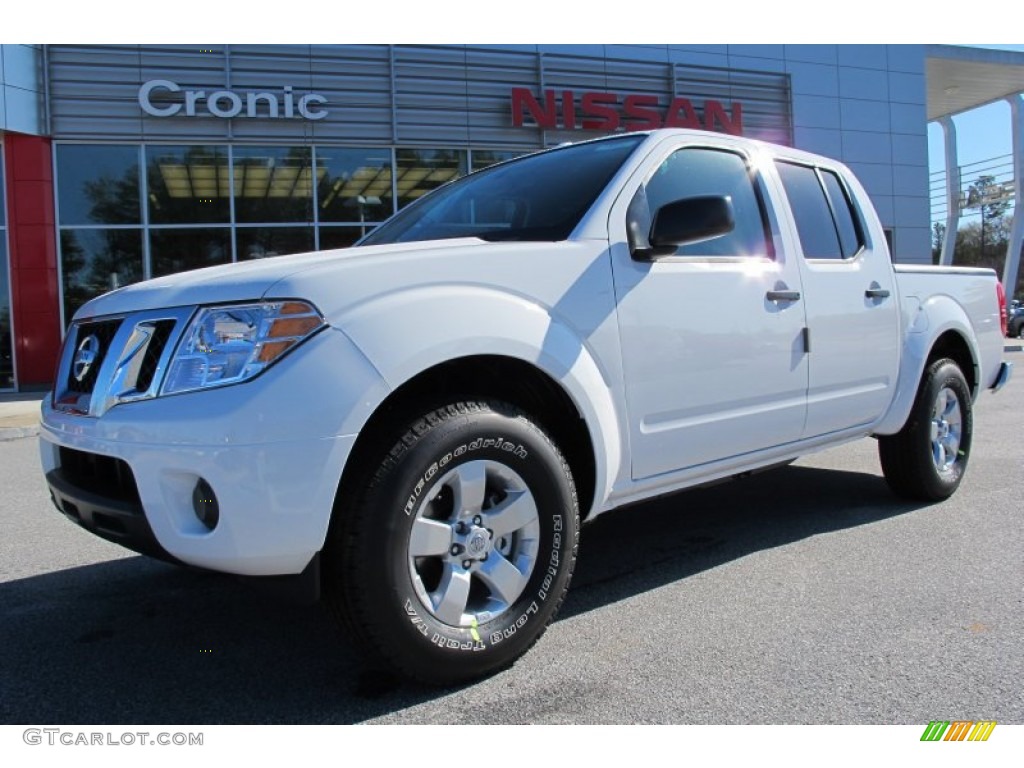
599	111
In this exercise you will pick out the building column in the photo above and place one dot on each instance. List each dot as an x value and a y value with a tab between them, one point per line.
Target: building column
31	229
1012	265
952	190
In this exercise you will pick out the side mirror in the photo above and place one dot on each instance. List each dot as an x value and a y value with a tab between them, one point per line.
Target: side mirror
689	220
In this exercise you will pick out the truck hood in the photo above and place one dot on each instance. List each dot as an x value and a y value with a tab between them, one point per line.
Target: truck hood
253	280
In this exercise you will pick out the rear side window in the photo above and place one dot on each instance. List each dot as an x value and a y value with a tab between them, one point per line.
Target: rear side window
824	217
843	214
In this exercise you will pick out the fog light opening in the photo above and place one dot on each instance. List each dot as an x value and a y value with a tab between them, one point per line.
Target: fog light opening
204	504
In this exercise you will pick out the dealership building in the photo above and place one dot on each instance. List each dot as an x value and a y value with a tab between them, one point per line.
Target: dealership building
121	163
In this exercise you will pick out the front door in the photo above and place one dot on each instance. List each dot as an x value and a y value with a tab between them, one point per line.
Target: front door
712	336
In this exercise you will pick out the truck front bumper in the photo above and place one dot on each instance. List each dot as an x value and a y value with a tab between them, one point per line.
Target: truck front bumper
270	450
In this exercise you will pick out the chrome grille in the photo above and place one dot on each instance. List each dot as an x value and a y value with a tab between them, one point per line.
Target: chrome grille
103	331
147	370
115	360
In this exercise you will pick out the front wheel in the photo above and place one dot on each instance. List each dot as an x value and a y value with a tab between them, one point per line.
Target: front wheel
926	460
457	554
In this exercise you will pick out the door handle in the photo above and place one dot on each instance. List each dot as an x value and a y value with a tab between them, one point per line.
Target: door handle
876	293
783	295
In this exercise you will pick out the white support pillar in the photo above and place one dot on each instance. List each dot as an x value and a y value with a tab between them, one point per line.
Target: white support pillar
952	190
1012	266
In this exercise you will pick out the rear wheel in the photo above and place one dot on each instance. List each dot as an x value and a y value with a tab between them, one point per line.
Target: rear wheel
926	460
459	551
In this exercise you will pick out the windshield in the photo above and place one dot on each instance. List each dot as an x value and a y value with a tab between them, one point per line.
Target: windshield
538	197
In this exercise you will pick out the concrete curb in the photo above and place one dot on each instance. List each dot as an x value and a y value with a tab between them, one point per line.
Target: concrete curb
16	433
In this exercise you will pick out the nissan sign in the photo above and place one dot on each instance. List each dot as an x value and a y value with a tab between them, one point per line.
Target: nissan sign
155	100
599	111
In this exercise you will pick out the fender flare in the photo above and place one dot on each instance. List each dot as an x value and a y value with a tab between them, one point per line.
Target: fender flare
934	318
391	332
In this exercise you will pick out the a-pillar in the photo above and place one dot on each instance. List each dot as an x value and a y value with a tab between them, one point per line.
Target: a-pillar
31	233
1012	267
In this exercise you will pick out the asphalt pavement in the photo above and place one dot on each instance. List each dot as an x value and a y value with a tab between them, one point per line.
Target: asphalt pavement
804	595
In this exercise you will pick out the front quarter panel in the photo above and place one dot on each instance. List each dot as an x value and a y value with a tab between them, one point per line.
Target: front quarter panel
548	304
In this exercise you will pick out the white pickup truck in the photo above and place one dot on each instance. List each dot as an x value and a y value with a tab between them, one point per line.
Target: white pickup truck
431	414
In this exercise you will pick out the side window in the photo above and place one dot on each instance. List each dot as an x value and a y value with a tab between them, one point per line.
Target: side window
846	219
695	172
825	220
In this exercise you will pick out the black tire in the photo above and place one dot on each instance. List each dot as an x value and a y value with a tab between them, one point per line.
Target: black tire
446	617
926	460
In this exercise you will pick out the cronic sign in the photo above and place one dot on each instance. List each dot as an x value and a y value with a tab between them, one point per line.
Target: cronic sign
165	98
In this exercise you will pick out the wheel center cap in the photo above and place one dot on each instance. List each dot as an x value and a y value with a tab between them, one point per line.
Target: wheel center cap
477	542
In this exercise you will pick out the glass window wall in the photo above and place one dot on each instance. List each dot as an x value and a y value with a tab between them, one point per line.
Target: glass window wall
197	205
98	184
418	171
264	242
339	237
483	158
175	250
188	185
354	185
273	184
94	261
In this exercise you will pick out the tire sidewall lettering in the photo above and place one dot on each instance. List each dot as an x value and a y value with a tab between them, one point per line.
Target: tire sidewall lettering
499	443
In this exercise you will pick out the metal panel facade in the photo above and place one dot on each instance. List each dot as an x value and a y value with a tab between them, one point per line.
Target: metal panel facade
843	101
379	94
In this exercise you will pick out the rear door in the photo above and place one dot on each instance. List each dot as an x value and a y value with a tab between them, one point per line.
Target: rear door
850	300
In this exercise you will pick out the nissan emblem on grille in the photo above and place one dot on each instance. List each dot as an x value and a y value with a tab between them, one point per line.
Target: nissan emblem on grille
85	356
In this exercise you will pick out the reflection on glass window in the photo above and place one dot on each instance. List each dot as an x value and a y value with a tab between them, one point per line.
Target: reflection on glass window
355	184
698	172
98	184
263	242
339	237
482	158
94	261
274	184
6	354
538	198
843	214
175	250
421	170
188	185
814	223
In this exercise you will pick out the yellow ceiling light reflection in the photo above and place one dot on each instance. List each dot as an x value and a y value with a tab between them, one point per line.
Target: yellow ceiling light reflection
191	180
255	178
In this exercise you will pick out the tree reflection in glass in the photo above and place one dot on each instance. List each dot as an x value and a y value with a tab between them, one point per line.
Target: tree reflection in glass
94	261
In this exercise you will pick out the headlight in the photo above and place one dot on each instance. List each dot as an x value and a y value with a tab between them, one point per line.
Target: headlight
226	345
